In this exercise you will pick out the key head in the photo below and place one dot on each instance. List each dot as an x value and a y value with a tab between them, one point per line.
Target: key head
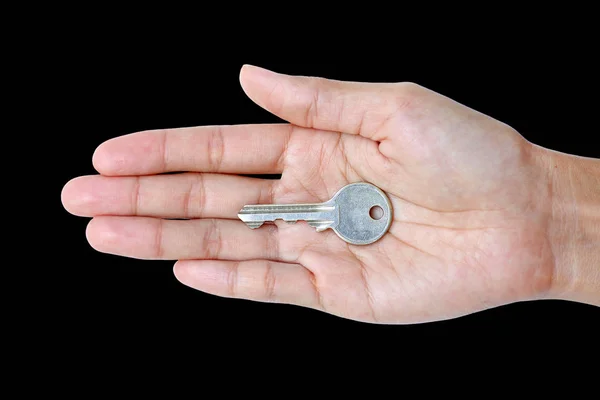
357	223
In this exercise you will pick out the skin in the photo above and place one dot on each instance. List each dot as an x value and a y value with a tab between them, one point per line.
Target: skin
476	206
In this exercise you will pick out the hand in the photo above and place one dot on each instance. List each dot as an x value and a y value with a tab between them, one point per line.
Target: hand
470	202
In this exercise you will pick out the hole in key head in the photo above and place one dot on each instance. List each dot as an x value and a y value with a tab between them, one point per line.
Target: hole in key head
376	212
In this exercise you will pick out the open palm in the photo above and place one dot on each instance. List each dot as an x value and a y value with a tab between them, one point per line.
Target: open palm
469	218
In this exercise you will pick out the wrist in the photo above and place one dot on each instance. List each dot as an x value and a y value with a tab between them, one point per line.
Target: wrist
573	224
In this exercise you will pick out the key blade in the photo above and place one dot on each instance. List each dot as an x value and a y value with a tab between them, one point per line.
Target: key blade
253	224
320	215
285	208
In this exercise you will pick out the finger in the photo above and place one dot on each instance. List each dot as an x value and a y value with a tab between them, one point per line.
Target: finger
259	280
159	239
238	149
348	107
189	195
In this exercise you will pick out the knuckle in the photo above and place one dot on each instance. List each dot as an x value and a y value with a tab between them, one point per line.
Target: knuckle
409	86
408	94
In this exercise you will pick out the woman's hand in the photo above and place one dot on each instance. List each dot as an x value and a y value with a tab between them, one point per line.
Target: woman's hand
471	197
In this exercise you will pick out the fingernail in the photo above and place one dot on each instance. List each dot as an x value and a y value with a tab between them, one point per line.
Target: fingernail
258	72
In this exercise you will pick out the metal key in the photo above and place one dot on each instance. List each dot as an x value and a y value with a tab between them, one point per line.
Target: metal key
347	213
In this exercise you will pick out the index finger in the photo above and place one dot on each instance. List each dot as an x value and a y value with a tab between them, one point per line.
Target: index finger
236	149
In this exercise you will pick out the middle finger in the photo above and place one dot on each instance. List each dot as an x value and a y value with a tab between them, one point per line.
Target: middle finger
187	195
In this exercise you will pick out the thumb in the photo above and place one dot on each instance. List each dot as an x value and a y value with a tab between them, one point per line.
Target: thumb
348	107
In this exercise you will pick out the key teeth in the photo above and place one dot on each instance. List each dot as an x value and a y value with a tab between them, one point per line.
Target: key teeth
254	224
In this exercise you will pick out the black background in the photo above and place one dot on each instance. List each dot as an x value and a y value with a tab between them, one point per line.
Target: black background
110	306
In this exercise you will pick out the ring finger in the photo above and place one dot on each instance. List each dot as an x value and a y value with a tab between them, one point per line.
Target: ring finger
160	239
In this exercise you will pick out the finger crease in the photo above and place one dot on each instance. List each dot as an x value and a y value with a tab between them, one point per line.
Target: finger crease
212	240
165	133
315	285
386	120
201	185
280	164
158	240
216	149
186	200
271	193
232	278
270	281
273	249
361	120
312	110
265	193
136	196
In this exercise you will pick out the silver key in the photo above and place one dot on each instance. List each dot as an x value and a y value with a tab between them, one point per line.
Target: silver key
349	213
